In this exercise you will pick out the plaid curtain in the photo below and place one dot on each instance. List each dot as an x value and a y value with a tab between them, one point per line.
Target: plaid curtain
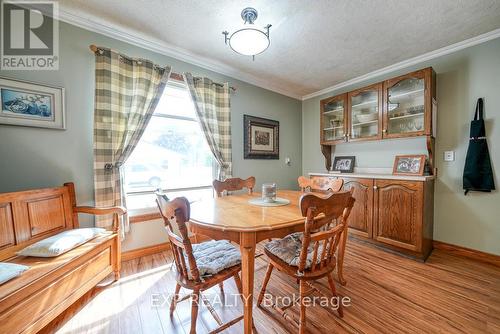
212	107
127	91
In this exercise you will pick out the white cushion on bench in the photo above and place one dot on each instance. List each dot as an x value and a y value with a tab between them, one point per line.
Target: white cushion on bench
10	270
61	243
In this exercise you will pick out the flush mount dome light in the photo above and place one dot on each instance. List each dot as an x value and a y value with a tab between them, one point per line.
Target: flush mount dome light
248	41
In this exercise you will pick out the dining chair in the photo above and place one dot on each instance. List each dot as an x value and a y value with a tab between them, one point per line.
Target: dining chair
310	255
304	183
233	184
200	266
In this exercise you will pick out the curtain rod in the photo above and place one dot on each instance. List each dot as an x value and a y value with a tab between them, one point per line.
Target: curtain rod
173	75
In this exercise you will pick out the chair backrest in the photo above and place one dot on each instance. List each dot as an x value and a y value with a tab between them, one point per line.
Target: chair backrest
176	212
304	183
335	207
320	184
233	184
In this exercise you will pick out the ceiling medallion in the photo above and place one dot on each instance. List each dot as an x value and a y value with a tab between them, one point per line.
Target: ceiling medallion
248	41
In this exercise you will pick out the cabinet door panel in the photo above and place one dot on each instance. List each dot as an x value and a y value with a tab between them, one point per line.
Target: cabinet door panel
333	120
361	217
407	104
365	113
398	207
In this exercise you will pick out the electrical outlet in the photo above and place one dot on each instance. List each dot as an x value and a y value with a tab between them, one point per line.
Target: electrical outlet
288	162
449	156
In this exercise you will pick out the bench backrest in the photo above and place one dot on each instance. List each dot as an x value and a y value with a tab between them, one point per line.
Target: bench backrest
29	216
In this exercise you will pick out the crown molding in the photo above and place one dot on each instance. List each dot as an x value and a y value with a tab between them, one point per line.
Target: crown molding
166	49
184	55
410	62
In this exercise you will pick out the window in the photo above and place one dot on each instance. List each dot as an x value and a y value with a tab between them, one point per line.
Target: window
172	154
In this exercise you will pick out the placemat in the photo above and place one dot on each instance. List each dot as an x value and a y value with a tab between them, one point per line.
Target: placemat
278	202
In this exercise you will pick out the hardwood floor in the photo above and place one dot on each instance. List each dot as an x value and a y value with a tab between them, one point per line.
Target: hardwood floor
389	294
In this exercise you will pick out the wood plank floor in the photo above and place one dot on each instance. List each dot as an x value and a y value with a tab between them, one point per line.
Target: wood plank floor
389	294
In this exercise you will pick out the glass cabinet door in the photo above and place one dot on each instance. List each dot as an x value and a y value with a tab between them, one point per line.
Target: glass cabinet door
333	120
405	107
365	107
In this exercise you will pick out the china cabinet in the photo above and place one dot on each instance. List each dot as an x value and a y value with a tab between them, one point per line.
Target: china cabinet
399	107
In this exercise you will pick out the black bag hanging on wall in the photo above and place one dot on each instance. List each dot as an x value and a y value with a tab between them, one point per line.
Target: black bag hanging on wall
478	175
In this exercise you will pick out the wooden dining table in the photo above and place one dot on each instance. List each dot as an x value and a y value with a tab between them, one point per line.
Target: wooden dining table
233	218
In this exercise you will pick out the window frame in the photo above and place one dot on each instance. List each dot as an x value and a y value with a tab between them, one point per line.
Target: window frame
144	212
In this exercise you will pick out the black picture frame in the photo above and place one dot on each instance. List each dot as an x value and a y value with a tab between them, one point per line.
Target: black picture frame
268	132
337	162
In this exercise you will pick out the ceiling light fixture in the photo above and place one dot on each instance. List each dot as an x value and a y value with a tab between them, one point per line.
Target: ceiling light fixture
248	41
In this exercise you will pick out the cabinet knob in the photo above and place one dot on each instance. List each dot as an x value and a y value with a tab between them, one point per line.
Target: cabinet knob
384	131
375	187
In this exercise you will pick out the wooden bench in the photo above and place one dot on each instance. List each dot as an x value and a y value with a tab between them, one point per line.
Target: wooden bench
29	302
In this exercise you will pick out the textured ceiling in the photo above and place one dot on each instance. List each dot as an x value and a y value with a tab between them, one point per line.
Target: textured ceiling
314	44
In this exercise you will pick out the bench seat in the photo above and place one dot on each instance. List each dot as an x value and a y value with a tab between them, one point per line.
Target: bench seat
32	300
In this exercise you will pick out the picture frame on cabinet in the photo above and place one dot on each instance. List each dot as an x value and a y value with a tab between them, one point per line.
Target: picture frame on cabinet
343	164
409	164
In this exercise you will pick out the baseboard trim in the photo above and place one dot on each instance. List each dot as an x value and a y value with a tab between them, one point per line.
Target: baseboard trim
144	251
468	253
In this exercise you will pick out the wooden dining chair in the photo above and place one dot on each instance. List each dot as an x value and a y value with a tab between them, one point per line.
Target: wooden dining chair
233	184
311	255
304	183
199	266
320	184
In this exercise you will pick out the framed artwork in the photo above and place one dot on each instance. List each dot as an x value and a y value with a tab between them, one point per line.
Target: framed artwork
30	104
260	138
343	164
409	165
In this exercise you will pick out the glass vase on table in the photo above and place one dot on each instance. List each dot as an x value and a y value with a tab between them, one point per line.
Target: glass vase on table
269	191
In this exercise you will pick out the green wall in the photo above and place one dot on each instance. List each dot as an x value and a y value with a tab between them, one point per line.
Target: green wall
33	158
470	221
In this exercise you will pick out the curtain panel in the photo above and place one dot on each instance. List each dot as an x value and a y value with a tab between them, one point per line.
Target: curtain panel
212	105
127	91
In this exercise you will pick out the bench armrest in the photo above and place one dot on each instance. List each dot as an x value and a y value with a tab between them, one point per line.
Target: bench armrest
115	210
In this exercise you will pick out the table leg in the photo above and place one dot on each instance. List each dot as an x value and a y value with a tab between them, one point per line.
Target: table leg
340	259
247	248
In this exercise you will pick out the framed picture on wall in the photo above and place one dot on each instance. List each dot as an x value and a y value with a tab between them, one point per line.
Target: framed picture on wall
26	103
260	138
409	165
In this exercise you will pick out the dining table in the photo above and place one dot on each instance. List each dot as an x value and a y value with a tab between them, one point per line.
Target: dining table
233	218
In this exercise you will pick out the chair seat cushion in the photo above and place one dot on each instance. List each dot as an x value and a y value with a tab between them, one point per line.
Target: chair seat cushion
213	256
288	249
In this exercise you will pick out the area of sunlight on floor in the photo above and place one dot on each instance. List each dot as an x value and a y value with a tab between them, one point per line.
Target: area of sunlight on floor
111	302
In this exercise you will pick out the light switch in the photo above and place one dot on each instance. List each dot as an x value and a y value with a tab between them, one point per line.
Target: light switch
449	156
